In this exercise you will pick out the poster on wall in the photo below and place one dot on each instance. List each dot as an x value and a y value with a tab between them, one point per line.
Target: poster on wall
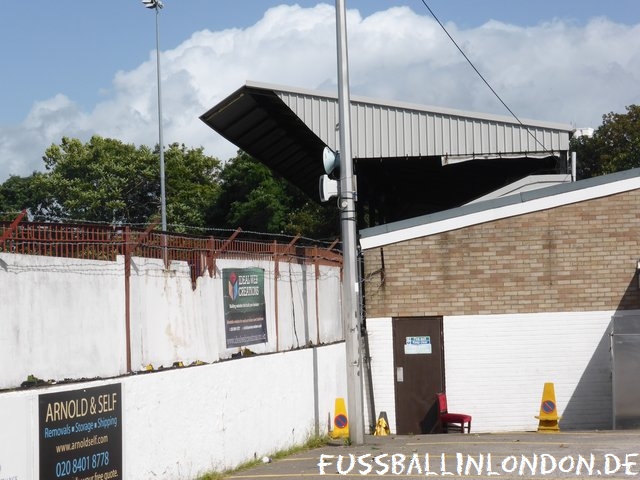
244	307
81	434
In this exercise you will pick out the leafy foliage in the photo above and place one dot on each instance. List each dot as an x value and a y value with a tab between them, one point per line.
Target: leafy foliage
615	145
252	197
18	193
106	180
103	180
191	185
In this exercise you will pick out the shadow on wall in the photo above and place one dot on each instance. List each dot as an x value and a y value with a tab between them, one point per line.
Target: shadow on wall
591	405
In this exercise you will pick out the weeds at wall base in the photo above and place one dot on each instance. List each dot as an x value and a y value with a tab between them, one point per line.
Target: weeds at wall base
310	444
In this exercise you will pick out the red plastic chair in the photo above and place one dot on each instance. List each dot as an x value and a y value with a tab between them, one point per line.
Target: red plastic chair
455	420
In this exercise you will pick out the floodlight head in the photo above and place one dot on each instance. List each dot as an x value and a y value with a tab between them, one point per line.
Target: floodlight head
331	162
153	3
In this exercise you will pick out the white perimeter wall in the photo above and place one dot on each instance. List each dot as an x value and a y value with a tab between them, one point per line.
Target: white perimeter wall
65	318
496	367
181	423
61	318
170	322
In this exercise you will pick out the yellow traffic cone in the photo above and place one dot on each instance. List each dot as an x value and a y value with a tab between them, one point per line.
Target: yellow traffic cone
548	418
382	428
340	421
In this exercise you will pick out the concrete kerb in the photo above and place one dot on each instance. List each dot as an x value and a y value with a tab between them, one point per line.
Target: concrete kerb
611	454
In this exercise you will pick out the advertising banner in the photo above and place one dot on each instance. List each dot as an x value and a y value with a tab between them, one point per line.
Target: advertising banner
244	307
81	434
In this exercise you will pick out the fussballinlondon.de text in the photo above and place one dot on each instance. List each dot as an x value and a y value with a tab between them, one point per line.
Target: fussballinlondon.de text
479	465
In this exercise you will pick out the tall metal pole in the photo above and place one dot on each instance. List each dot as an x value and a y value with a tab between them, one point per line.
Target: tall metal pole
351	314
157	5
163	197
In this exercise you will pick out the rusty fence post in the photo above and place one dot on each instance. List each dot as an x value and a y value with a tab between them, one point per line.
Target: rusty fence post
12	228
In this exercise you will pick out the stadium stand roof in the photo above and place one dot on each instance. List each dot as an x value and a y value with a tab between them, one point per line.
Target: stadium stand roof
409	159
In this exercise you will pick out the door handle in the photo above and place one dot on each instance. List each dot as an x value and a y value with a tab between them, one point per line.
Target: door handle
399	374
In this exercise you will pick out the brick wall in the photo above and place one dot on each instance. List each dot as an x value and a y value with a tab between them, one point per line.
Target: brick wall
577	257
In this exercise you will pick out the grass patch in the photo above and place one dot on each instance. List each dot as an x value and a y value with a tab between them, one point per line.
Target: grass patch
311	443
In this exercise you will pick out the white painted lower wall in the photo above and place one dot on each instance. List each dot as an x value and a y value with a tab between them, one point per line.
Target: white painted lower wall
496	367
178	424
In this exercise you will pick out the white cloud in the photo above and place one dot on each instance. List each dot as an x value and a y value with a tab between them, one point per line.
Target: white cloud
554	71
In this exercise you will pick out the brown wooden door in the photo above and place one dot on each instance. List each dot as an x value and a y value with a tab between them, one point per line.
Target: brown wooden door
418	356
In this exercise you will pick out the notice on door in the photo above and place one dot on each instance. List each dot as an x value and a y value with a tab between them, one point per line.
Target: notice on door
417	345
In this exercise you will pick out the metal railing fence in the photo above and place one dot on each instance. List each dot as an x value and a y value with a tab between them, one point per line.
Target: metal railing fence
106	242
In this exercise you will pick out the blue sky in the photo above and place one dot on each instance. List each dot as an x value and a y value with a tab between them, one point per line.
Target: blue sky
75	68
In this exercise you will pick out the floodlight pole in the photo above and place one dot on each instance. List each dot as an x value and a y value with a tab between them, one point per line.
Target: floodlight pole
157	6
351	312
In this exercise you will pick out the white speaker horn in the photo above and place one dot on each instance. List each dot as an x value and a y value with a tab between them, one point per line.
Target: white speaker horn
331	162
328	188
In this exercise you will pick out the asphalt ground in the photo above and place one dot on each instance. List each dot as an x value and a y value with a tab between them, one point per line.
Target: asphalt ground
523	455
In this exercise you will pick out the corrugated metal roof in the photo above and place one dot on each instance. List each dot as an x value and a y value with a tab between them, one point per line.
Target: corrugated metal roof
383	129
407	157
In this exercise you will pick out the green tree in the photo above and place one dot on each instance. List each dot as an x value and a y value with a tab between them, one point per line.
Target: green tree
103	180
614	146
254	198
191	185
321	222
250	197
18	193
106	180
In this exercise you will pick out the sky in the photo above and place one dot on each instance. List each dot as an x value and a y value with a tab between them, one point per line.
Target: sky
81	68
